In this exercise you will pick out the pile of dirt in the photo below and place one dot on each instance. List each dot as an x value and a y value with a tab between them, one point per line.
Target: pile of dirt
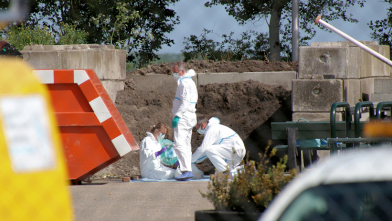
247	107
209	66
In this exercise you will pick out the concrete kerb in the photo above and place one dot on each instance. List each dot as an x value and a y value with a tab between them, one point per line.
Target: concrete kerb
166	83
278	78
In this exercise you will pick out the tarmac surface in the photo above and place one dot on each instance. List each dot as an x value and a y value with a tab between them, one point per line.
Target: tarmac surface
116	200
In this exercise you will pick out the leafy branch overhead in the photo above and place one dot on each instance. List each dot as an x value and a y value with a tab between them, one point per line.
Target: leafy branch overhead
139	26
277	15
382	29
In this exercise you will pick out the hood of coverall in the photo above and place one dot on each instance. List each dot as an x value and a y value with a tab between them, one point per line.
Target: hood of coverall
189	73
212	121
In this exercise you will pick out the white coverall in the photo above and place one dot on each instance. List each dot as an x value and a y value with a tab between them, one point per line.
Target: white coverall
151	166
218	144
184	106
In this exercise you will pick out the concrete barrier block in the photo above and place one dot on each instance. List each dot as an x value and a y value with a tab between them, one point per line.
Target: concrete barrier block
42	59
156	82
372	66
380	97
316	95
324	61
352	91
112	87
114	59
315	116
375	86
341	44
282	78
94	60
72	59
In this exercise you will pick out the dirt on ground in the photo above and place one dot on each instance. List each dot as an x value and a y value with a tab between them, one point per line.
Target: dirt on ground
247	107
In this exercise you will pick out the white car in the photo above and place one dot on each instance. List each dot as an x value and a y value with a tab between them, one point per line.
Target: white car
356	185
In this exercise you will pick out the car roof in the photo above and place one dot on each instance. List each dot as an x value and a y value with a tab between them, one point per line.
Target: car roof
355	165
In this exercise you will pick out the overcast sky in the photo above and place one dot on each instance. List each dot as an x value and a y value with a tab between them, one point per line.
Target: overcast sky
194	17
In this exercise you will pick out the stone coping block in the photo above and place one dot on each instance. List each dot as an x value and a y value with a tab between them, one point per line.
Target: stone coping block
341	44
352	91
375	86
282	78
112	87
160	83
372	66
316	95
380	98
343	62
107	63
324	61
315	116
66	47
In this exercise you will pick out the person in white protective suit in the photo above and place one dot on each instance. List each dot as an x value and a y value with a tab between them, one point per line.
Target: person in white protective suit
221	145
184	118
150	150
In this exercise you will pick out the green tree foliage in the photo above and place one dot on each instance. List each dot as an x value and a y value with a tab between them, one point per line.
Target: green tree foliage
382	29
252	45
139	26
277	14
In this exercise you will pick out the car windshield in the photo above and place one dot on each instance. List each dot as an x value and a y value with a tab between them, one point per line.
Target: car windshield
349	201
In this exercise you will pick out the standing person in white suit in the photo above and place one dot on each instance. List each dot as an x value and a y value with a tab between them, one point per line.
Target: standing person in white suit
184	117
221	145
150	150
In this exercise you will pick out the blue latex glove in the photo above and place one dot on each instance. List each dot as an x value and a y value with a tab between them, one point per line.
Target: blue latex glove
175	122
177	163
160	152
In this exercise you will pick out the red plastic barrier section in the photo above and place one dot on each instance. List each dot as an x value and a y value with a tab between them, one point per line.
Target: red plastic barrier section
93	132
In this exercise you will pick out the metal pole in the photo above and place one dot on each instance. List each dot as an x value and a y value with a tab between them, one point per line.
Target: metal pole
295	32
359	44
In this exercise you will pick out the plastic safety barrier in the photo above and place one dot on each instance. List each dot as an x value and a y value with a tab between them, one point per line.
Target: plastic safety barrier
94	135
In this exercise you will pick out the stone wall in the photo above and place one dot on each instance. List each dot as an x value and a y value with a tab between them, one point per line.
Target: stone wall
108	63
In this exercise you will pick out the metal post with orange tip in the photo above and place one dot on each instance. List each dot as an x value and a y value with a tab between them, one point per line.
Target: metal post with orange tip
359	44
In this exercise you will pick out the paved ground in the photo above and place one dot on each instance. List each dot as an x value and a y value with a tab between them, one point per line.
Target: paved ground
115	200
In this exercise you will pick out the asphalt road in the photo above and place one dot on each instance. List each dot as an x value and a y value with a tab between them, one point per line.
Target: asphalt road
115	200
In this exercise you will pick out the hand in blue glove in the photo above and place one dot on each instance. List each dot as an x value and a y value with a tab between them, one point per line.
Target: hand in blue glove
177	163
175	122
160	152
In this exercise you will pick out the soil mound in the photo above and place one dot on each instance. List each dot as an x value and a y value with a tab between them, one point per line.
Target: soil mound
247	107
209	66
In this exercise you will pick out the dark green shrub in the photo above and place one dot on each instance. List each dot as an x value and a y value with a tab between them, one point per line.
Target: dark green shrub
254	187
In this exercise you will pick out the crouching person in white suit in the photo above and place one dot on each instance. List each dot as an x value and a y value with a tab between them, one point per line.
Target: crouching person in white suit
150	150
221	145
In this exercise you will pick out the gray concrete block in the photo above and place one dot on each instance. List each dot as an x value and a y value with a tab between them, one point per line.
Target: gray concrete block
282	78
72	59
112	87
156	82
380	97
372	66
94	60
43	59
375	86
315	116
341	44
316	95
324	61
352	91
112	69
107	62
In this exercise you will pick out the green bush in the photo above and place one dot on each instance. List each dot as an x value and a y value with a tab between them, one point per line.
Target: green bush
254	187
20	35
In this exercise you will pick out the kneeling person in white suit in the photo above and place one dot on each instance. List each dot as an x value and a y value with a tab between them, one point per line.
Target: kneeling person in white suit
150	150
221	145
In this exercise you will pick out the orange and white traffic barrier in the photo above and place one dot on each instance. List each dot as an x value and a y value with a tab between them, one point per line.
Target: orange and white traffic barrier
93	132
